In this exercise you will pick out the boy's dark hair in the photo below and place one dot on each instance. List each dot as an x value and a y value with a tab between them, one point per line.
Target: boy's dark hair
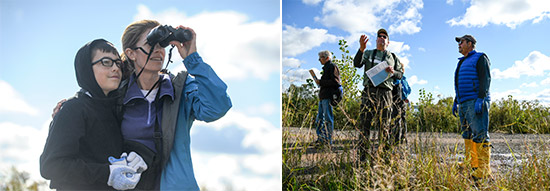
104	46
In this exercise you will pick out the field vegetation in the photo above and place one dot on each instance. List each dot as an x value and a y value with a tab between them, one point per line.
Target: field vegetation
429	159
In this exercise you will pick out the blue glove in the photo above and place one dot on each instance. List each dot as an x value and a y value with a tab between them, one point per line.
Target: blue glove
479	105
455	106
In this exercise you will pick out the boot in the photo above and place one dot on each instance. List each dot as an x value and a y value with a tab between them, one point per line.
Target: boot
469	155
474	154
484	157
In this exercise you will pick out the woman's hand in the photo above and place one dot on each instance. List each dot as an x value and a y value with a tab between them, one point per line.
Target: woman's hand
186	48
58	107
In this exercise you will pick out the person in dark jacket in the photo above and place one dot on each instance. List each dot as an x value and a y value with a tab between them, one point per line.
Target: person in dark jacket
376	100
86	130
329	83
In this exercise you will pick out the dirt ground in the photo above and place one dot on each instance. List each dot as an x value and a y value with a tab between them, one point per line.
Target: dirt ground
507	148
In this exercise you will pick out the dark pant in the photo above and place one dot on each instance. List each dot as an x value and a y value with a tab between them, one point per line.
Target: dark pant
398	124
375	113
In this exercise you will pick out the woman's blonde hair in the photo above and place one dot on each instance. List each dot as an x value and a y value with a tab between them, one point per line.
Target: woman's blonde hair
130	37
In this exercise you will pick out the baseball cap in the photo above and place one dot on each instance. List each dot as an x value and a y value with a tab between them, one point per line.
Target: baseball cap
383	31
466	37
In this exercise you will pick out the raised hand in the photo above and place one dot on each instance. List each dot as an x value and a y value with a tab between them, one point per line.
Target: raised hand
363	42
187	48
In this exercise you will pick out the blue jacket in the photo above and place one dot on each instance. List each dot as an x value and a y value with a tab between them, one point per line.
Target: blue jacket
203	98
468	84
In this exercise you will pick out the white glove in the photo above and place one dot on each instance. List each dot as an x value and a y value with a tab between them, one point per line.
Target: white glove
123	177
135	161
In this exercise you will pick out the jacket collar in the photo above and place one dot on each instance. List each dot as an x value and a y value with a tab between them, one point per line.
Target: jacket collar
469	54
134	92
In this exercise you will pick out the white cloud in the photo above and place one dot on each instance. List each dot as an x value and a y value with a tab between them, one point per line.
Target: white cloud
21	147
311	2
414	80
299	40
399	49
264	109
450	2
236	172
12	101
299	75
542	96
545	81
405	27
500	95
422	49
368	16
505	12
234	46
232	172
529	85
291	62
261	134
404	59
408	21
216	171
535	64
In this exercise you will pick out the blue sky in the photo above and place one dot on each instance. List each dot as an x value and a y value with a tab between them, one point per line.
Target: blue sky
239	39
513	33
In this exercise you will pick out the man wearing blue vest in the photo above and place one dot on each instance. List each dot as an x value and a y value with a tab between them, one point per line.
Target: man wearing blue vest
472	100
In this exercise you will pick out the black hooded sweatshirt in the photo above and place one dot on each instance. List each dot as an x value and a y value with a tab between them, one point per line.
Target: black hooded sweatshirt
83	134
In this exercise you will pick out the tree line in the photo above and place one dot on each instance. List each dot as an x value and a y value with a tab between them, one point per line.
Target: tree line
507	115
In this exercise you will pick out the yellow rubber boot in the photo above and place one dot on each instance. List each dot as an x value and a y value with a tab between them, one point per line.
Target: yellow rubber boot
475	155
484	157
468	152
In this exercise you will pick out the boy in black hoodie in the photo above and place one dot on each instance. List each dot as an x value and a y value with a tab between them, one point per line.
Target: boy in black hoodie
86	131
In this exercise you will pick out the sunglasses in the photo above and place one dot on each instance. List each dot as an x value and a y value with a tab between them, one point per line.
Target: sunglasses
142	50
383	36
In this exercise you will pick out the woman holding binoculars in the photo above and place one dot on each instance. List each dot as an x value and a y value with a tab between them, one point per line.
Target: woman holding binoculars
159	108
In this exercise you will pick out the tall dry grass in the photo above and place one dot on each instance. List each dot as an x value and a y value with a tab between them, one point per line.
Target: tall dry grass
424	163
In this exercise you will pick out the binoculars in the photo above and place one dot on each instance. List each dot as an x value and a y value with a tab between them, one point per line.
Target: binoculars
165	33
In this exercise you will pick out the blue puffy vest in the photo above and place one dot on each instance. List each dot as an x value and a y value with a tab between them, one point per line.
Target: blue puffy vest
467	85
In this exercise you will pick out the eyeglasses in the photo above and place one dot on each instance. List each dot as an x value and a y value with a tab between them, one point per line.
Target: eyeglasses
382	36
142	50
108	62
